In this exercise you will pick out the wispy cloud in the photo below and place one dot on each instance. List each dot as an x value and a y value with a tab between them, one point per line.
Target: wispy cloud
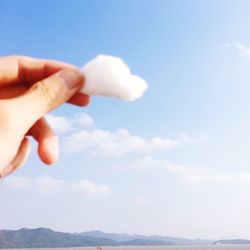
98	142
50	185
105	143
83	119
207	175
141	200
59	123
148	162
241	48
90	188
62	124
194	174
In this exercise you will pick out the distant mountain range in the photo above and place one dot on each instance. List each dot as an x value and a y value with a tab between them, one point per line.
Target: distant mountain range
127	237
44	237
232	242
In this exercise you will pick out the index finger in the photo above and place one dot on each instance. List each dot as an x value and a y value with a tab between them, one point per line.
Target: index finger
27	70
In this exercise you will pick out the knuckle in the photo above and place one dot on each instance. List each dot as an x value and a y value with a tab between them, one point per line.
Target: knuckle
46	91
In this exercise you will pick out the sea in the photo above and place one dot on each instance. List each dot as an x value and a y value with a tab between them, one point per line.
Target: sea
207	247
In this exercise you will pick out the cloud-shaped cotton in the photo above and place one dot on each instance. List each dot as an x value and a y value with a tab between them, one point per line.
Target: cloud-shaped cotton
110	76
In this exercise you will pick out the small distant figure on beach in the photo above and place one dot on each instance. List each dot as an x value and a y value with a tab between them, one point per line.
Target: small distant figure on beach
99	248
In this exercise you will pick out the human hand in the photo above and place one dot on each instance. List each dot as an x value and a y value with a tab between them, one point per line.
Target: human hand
30	88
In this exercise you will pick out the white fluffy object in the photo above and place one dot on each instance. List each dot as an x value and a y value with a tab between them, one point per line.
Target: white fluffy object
110	76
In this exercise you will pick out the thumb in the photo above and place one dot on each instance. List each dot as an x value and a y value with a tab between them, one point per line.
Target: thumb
48	94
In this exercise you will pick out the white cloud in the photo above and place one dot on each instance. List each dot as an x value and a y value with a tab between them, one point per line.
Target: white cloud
17	182
59	123
206	175
91	188
141	200
100	142
48	185
148	162
62	124
121	142
243	49
84	119
194	174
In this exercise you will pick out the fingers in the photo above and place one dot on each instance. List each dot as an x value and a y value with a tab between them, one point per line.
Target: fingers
28	70
13	91
79	99
19	159
48	146
18	73
45	96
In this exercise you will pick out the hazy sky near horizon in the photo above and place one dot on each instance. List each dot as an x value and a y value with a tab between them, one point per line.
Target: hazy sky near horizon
176	162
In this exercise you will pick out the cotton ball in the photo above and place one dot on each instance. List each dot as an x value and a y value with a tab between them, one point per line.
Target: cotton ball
110	76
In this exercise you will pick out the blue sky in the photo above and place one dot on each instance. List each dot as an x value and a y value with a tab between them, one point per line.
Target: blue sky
176	162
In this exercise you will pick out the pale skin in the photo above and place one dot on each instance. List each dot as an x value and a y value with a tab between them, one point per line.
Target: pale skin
30	88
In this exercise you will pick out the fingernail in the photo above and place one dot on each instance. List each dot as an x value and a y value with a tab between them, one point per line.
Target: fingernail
72	78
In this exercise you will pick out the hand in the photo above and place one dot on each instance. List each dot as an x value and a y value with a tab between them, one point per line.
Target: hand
29	88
